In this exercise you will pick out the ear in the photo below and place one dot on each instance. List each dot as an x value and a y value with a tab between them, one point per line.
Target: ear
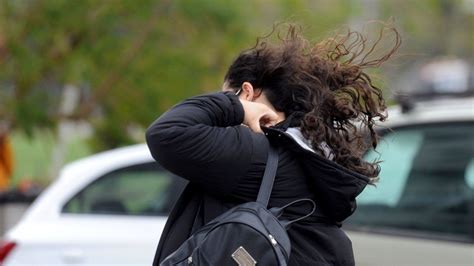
247	91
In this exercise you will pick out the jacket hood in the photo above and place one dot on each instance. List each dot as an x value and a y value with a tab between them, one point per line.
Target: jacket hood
335	187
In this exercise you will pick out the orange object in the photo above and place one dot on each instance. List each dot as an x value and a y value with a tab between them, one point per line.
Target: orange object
6	162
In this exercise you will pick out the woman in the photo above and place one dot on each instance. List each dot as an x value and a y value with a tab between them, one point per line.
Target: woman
314	102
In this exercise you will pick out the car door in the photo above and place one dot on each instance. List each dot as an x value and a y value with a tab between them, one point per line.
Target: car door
421	212
118	218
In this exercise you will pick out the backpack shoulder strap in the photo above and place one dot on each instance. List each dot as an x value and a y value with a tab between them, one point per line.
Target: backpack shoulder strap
268	176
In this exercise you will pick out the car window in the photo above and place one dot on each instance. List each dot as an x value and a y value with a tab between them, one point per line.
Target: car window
143	189
426	182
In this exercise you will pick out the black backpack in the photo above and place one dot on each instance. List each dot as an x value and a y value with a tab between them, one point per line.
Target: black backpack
247	234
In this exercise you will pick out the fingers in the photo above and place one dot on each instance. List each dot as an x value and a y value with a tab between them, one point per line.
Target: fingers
255	126
268	119
272	117
258	114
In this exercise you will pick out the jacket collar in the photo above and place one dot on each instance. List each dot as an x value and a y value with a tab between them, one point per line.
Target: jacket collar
335	187
293	120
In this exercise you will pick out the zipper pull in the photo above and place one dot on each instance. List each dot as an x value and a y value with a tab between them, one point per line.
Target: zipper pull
190	260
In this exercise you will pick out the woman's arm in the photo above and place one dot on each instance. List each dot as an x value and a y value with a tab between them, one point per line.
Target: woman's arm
202	140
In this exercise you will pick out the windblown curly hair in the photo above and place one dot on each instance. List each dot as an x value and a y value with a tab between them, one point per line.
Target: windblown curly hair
326	83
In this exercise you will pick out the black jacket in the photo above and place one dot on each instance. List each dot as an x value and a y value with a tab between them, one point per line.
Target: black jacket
203	141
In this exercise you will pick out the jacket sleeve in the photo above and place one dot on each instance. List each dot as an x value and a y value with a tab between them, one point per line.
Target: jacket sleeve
202	140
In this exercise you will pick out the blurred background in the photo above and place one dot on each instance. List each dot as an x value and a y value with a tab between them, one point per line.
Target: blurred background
79	77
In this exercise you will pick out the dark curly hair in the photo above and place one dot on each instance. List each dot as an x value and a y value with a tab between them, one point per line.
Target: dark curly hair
326	83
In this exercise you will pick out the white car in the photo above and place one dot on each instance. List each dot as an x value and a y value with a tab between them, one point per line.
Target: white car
421	212
110	208
107	209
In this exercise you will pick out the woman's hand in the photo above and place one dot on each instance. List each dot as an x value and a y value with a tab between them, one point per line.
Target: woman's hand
258	114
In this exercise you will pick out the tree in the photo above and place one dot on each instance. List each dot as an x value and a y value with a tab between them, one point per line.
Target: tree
130	60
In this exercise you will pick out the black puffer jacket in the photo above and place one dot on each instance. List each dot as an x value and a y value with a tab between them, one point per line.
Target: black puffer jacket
203	141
